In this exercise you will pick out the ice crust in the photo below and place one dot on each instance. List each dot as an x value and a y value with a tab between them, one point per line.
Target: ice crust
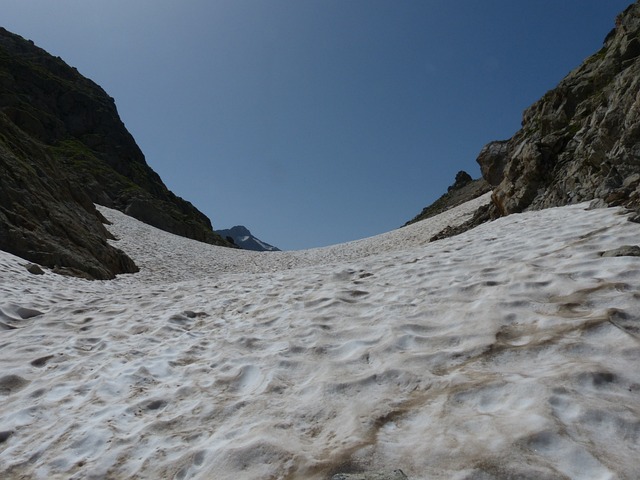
510	351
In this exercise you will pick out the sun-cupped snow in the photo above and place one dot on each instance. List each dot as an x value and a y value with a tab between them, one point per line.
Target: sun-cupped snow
509	351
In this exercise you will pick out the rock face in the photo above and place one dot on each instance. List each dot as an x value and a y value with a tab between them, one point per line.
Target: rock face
244	239
582	139
63	147
44	218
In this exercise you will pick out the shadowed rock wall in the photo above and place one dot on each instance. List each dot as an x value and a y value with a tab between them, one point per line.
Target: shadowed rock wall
62	148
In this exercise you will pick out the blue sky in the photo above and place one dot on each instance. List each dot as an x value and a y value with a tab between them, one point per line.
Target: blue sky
314	122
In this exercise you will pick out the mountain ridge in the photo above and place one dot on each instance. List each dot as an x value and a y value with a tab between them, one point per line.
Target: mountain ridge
462	190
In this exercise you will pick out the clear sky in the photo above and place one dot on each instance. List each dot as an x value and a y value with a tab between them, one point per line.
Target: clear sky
314	122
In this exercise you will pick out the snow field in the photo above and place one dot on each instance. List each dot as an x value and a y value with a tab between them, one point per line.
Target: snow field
510	350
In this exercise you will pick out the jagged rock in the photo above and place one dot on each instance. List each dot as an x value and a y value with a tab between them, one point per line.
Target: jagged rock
582	139
462	179
63	148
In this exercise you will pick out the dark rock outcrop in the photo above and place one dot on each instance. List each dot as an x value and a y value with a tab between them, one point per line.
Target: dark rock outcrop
581	141
63	147
244	239
462	179
34	269
44	218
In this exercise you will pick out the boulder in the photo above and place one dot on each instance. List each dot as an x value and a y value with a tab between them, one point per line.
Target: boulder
34	269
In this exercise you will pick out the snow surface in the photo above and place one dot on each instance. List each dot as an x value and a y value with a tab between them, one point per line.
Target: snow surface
510	351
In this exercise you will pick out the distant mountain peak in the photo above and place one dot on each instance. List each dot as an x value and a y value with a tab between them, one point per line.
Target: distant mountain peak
244	239
239	230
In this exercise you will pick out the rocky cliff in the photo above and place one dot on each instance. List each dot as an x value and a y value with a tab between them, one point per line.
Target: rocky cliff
63	147
581	141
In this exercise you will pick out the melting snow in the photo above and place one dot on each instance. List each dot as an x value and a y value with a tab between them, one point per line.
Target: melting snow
510	351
